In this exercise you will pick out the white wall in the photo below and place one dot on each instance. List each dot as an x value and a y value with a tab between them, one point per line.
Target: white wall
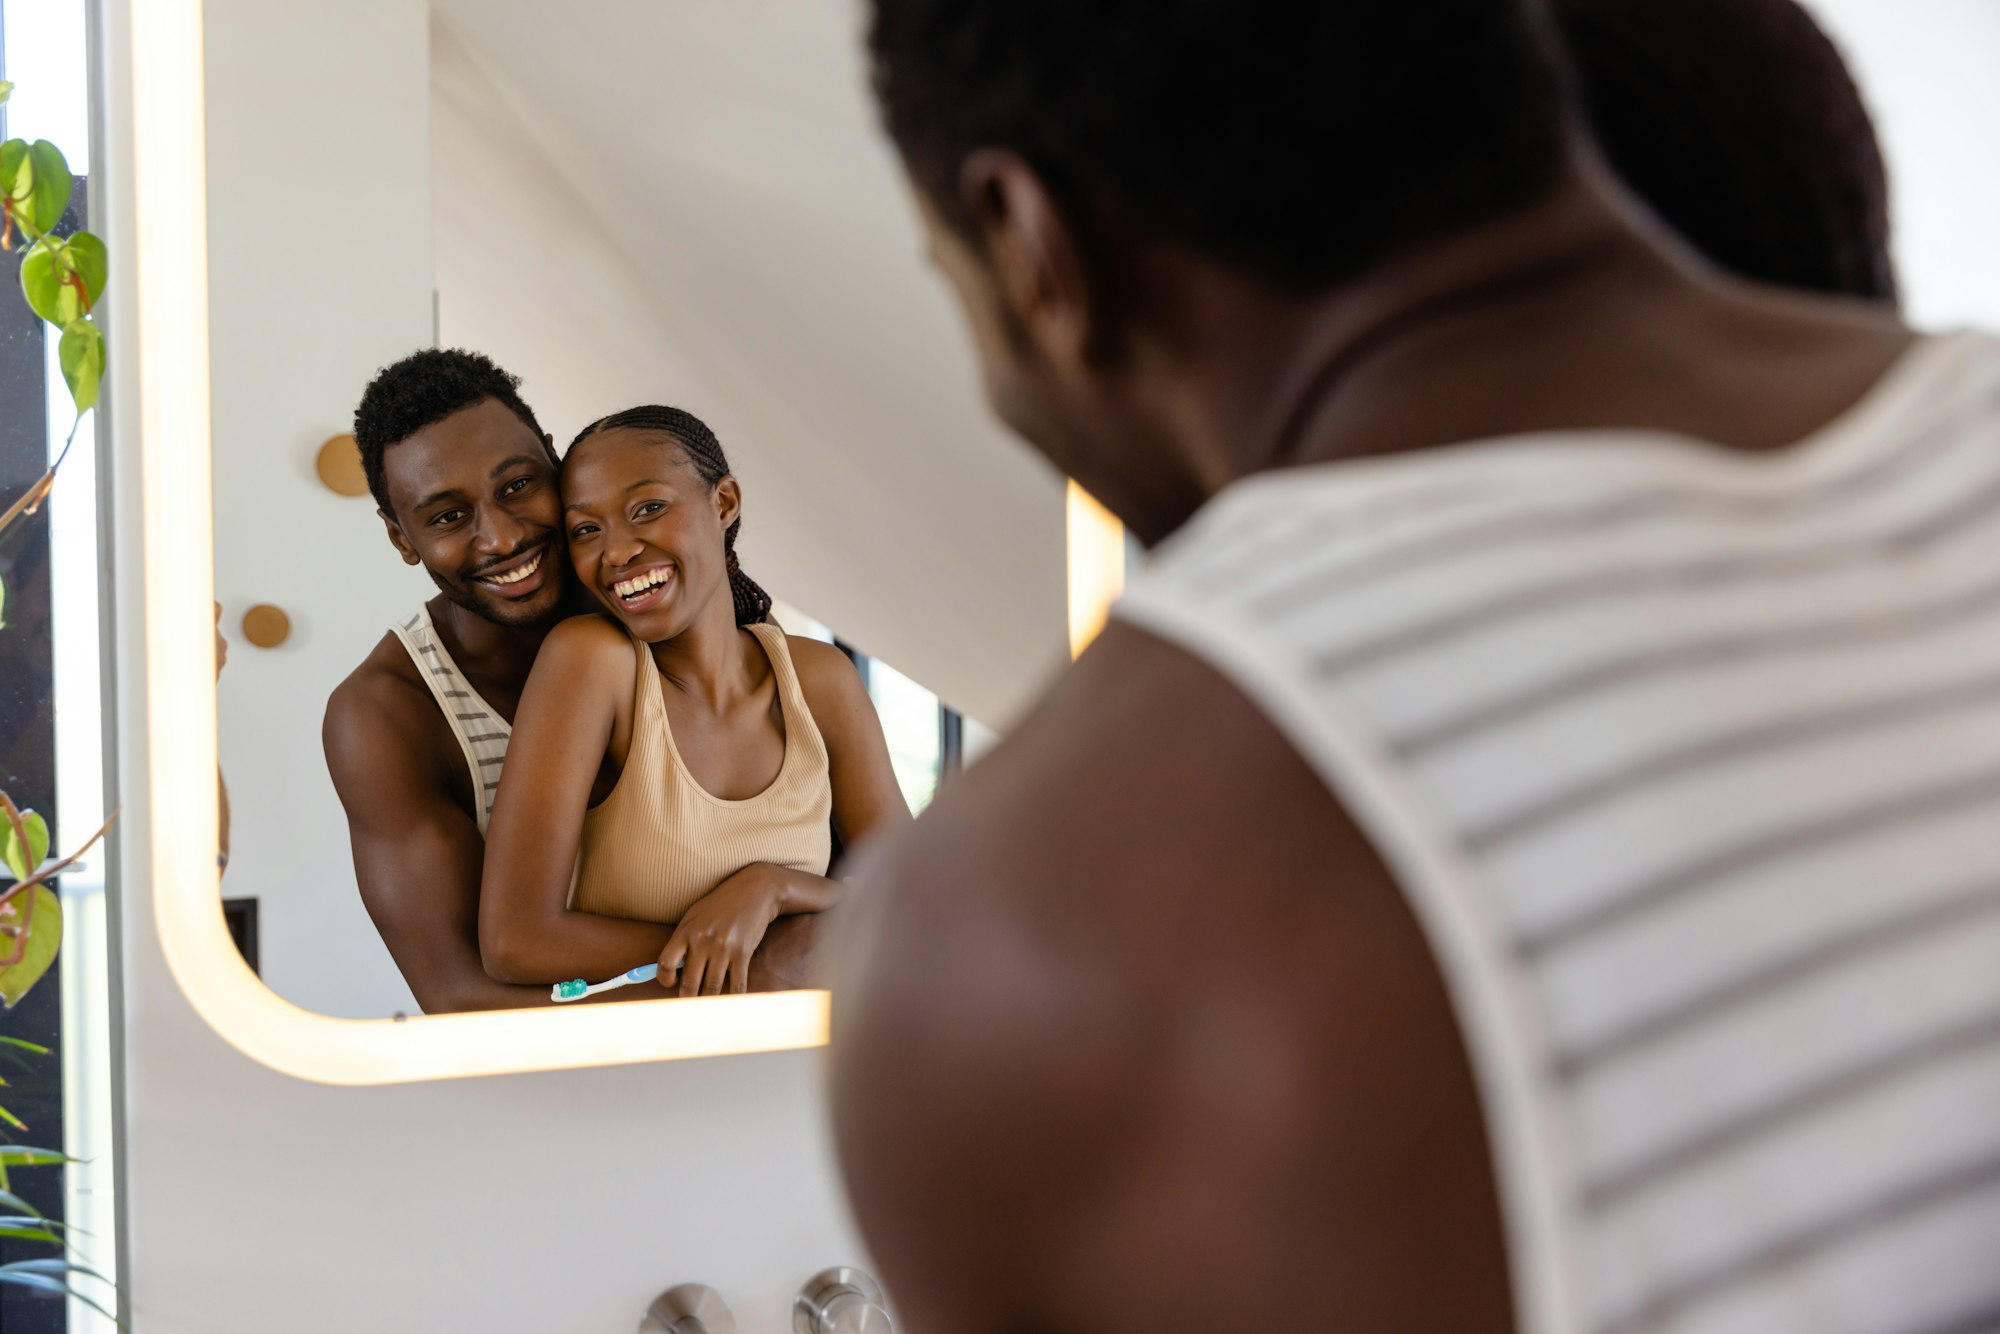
1930	71
320	272
256	1202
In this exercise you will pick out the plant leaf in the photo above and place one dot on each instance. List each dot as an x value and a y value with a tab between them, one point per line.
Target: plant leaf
41	1282
6	91
64	277
52	187
44	937
81	353
23	861
9	1228
18	1205
25	1045
12	1119
91	263
20	1155
17	171
51	1267
42	282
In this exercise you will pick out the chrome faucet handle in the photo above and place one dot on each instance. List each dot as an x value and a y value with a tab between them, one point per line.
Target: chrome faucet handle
691	1308
841	1301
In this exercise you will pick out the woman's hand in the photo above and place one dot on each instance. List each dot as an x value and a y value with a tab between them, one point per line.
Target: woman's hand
713	942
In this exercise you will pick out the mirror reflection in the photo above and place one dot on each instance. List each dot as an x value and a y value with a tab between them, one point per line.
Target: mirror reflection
660	773
588	606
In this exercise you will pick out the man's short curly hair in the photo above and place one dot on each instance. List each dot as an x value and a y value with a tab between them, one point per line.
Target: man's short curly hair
422	389
1301	140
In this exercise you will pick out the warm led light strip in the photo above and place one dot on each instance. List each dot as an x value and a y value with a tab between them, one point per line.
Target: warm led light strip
1096	566
170	186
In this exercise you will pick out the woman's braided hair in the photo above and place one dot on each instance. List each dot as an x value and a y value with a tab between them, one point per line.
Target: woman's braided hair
704	451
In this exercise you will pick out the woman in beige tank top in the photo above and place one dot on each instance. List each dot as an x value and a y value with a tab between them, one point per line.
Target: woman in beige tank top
696	756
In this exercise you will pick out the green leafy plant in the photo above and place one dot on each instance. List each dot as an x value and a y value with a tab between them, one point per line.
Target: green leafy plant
62	279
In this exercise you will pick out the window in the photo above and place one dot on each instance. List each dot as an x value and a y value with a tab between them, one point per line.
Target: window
926	739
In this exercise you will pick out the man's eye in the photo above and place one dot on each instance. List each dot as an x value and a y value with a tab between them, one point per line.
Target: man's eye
518	485
449	516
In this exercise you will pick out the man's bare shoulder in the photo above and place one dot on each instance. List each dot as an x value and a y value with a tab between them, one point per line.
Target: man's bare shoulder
1137	736
1063	899
1143	948
382	712
385	683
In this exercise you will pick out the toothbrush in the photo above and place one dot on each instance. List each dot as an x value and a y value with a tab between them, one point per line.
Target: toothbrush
577	990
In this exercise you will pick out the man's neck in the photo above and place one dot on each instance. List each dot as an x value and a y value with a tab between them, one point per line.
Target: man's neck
498	657
1570	315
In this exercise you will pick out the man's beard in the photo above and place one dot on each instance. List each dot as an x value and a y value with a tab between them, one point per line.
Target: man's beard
467	595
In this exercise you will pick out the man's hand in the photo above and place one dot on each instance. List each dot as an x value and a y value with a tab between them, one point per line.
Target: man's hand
711	946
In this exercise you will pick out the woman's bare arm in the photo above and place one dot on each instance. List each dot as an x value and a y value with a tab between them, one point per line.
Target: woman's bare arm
716	940
582	682
866	798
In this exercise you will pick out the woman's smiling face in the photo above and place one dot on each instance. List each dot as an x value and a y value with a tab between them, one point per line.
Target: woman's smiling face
645	532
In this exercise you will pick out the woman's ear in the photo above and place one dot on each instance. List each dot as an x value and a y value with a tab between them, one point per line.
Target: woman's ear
728	497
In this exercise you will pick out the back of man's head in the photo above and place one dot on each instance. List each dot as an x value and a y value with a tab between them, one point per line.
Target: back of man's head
1297	140
421	390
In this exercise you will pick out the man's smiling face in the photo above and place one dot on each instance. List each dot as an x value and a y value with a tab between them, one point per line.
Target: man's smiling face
477	504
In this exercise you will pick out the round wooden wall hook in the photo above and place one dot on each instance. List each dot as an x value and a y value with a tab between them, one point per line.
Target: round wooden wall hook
339	466
266	626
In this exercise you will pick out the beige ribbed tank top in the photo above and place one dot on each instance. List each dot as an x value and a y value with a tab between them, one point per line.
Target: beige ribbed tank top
660	841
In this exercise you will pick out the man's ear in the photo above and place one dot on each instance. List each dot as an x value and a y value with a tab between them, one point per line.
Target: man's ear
1035	253
728	501
398	541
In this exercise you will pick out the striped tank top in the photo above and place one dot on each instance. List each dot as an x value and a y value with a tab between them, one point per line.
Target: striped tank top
1688	762
661	840
482	733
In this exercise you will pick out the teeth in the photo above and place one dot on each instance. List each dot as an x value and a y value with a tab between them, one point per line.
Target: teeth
516	576
639	583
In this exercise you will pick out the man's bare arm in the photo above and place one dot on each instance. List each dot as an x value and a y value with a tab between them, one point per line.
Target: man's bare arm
1137	1033
416	853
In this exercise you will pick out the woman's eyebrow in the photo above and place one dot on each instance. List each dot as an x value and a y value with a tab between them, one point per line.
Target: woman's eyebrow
646	481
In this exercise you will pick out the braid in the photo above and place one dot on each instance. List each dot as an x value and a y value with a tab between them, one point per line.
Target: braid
704	451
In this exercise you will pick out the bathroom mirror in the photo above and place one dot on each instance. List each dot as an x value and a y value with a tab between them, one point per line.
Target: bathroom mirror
622	202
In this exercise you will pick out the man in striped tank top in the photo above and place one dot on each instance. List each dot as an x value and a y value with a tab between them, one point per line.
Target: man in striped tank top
1522	857
465	481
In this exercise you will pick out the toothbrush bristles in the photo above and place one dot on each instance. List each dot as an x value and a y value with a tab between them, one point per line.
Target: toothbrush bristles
577	990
